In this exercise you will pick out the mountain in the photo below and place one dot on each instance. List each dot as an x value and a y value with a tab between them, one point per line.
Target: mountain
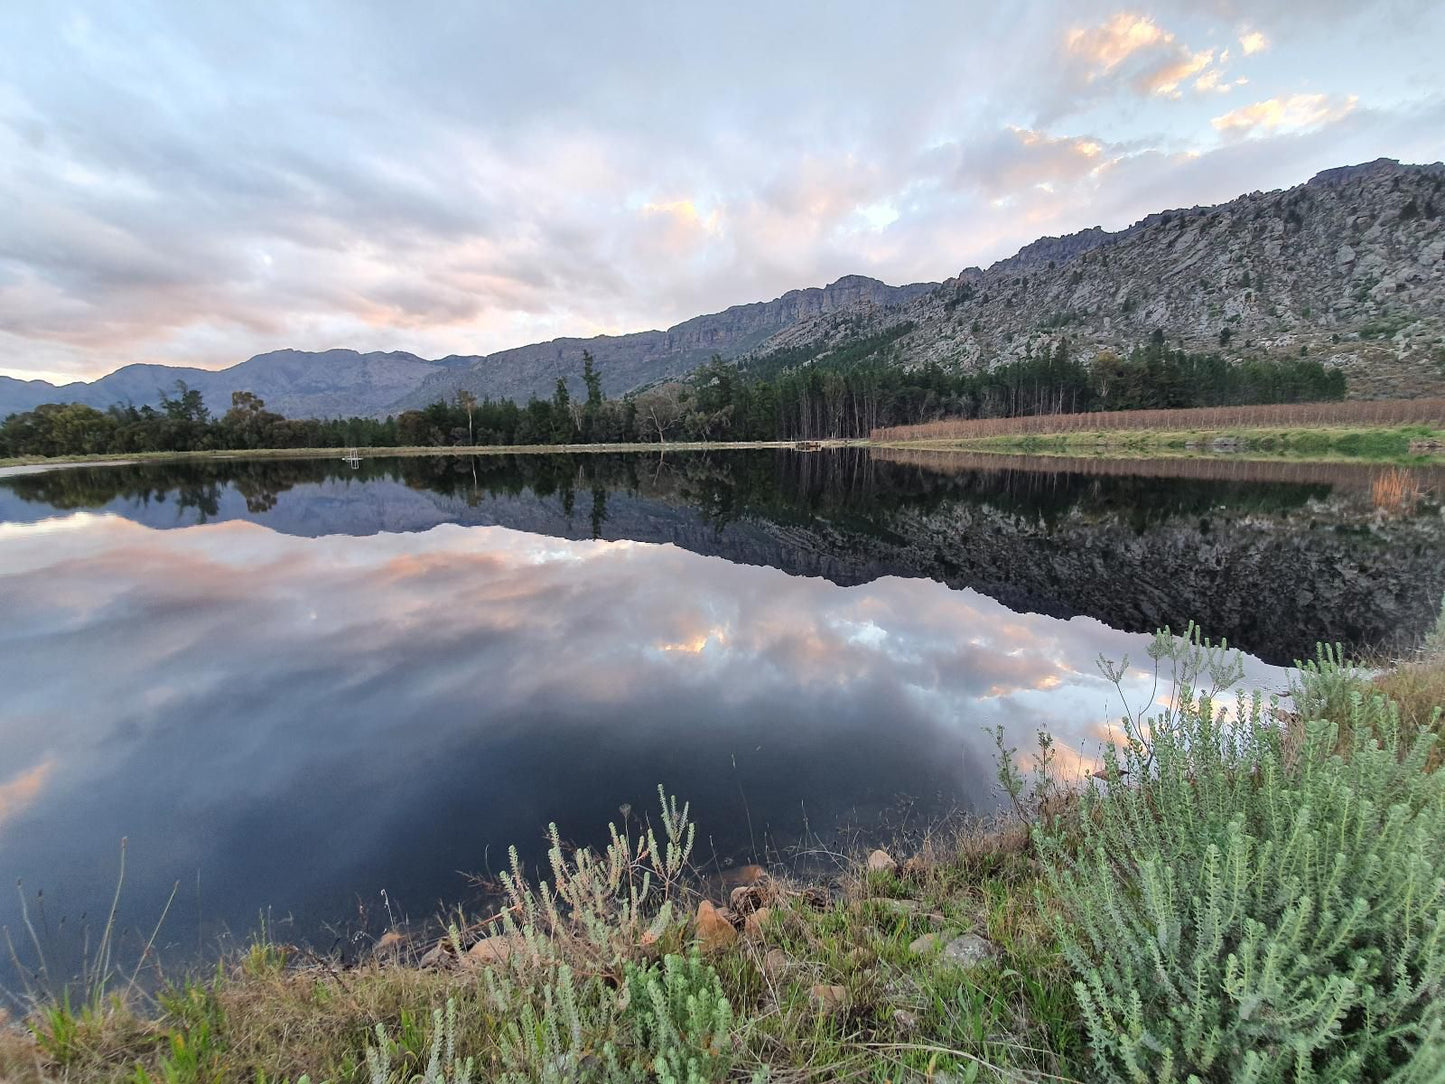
625	362
296	383
332	383
1348	268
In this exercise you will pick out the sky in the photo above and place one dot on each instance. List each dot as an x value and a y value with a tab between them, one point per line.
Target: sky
196	182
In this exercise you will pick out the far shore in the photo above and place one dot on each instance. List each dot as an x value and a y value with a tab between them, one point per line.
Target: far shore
1357	443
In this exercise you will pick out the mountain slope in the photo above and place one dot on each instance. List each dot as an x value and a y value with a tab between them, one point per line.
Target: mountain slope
296	383
1348	268
331	383
629	361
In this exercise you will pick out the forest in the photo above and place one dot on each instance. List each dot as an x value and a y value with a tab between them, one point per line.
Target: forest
786	395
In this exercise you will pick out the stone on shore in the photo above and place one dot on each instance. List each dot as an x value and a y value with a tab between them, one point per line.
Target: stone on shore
829	999
880	861
713	931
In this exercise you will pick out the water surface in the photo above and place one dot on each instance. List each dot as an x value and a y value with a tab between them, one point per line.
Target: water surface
328	694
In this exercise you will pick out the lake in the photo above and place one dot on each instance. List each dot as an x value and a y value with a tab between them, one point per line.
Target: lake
327	696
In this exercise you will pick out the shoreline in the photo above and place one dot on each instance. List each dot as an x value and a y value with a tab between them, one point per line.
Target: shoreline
1385	445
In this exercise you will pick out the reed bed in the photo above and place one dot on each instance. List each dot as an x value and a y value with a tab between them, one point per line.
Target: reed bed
1384	412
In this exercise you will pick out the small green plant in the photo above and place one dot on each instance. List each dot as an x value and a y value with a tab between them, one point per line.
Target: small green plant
1324	687
681	1020
1237	909
442	1065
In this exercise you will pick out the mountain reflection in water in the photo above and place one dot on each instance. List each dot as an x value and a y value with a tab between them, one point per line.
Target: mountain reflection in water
292	685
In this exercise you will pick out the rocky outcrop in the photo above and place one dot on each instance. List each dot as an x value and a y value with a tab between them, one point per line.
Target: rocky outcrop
1348	268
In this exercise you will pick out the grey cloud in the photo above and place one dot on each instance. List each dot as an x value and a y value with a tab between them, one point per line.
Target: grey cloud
199	184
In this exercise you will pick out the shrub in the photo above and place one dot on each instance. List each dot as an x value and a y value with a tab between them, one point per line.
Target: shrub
573	1002
1237	909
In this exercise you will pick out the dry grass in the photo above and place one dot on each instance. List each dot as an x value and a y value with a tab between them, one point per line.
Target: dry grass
1389	412
1397	492
1418	687
271	1019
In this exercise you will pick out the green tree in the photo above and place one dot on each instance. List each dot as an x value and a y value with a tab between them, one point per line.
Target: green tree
563	429
594	392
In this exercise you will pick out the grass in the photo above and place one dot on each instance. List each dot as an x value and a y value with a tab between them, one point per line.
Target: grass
1400	444
837	982
1367	415
1410	444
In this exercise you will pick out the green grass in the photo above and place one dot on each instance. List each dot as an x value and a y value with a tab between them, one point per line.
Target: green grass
1112	928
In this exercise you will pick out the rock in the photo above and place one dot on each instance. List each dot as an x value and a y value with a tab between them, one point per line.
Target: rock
494	950
917	867
970	950
901	908
755	923
815	897
712	930
829	999
926	945
775	962
438	956
881	861
745	875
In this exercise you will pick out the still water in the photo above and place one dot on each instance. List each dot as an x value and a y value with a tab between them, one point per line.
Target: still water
327	696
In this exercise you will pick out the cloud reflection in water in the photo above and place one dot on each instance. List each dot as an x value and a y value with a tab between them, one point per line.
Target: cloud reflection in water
302	723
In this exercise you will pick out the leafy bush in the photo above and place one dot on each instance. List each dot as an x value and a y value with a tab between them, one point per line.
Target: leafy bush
1245	908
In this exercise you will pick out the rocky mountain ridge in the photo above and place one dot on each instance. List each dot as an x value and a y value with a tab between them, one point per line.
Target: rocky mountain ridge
1348	268
626	362
333	383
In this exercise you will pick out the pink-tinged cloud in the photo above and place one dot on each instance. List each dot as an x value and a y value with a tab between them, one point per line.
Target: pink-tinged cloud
1292	112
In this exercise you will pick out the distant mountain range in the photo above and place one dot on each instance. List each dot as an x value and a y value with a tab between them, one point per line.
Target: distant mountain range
1348	268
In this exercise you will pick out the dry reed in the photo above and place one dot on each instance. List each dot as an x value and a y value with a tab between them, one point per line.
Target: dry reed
1280	415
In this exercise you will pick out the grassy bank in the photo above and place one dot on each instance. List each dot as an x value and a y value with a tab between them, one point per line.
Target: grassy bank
1385	444
1400	444
1258	900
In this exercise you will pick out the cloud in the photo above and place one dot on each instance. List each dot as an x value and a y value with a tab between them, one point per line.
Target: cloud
1289	112
1149	58
200	185
20	792
1115	41
1253	42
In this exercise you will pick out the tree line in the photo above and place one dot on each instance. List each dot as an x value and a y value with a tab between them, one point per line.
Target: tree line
786	395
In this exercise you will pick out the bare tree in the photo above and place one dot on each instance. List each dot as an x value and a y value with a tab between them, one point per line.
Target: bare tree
663	408
468	402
